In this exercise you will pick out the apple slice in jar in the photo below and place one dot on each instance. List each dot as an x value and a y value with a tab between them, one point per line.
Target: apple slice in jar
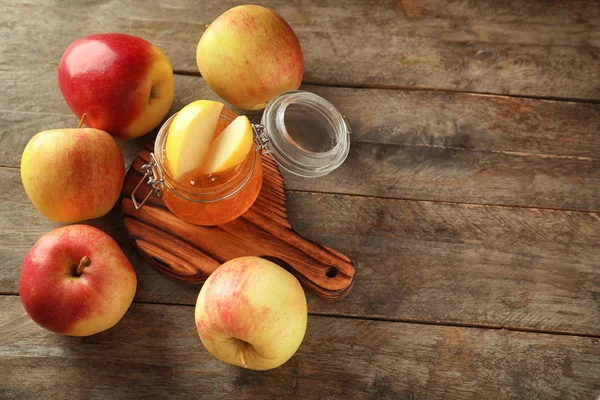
231	147
190	136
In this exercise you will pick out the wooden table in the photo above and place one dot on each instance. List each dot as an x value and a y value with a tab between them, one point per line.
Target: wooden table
469	204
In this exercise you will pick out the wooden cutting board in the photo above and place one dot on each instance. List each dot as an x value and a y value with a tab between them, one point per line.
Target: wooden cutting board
190	253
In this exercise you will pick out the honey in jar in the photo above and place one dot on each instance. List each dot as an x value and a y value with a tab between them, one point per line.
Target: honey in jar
211	199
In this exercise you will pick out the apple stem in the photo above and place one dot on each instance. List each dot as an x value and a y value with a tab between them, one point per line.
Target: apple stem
85	262
242	356
81	120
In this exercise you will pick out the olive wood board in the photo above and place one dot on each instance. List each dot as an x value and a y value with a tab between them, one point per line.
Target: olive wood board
190	253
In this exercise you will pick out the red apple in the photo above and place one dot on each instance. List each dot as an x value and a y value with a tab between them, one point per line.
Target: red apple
248	55
123	83
76	281
71	175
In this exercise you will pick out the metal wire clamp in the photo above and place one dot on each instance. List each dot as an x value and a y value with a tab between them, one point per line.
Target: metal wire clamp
261	138
156	179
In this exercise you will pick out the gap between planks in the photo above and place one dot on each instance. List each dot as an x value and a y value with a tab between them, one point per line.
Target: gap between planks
456	203
350	85
398	320
475	149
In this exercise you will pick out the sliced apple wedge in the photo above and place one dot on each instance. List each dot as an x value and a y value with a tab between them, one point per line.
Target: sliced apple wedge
190	135
231	147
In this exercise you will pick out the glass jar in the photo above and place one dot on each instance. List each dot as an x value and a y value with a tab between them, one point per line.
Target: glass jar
303	133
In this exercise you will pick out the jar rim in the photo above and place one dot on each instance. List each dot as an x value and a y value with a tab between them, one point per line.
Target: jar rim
209	195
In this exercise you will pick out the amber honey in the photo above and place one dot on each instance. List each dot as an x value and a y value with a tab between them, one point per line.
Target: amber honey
213	199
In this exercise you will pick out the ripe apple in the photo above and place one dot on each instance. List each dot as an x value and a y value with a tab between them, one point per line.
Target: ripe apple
248	55
123	83
71	175
75	280
251	313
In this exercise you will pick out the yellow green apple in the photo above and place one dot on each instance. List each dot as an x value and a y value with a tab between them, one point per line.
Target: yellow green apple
76	281
250	54
71	175
251	313
123	83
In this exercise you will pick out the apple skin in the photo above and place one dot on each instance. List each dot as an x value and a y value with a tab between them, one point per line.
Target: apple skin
254	303
72	305
123	83
71	175
248	55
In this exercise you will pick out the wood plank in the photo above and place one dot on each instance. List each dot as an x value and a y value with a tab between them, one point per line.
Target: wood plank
474	177
415	145
511	47
157	347
460	264
398	117
466	121
516	268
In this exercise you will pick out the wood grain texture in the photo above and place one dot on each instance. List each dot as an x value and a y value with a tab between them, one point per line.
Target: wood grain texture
475	177
425	263
509	47
401	117
421	261
339	358
190	253
416	145
515	268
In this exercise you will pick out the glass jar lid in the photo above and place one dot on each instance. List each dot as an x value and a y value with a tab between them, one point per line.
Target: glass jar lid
304	133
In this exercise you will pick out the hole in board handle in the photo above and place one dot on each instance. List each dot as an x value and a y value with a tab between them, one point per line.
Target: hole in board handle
331	272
